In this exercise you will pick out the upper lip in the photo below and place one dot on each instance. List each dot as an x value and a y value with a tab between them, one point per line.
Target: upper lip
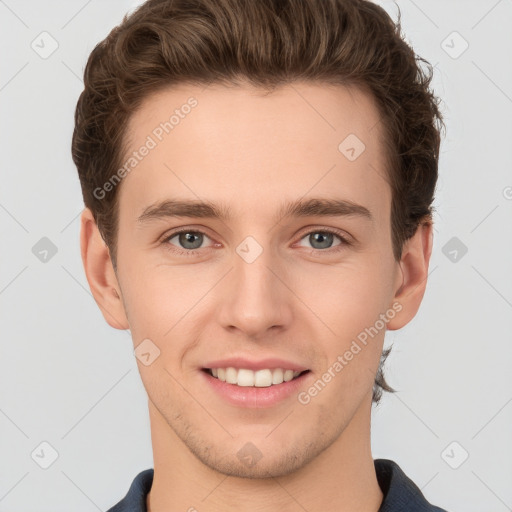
260	364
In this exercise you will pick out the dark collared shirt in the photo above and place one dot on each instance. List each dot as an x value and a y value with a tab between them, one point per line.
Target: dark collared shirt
401	494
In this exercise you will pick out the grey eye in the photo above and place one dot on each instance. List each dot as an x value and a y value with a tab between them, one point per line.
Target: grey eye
321	240
189	239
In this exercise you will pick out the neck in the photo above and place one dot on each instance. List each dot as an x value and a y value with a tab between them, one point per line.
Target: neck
342	478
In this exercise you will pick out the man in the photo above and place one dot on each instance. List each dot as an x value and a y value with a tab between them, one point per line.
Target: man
258	178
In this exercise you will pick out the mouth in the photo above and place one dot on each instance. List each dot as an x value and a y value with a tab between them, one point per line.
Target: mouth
263	378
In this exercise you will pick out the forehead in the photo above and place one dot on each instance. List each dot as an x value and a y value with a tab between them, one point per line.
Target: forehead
240	142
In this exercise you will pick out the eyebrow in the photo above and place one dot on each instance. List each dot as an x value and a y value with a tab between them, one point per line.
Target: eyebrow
322	207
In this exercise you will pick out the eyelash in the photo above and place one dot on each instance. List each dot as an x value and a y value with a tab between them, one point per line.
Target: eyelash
193	252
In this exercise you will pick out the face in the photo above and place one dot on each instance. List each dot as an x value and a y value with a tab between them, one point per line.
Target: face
282	267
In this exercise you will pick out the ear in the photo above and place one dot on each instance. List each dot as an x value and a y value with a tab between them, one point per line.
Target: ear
413	275
100	272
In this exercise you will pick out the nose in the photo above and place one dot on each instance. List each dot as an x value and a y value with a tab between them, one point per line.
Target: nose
255	298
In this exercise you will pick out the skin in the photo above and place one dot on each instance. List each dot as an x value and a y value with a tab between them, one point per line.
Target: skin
299	300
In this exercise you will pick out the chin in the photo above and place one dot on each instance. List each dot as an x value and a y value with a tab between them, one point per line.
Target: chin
268	466
257	457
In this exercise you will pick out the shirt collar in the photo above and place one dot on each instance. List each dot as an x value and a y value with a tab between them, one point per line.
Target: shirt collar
401	494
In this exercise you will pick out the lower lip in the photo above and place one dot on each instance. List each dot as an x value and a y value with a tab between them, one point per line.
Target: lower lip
249	396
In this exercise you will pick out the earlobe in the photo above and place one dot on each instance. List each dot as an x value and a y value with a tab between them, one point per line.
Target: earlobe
100	272
414	271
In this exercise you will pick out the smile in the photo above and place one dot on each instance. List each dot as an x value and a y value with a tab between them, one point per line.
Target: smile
244	377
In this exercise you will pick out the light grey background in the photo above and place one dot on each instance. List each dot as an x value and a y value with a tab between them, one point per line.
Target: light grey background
70	380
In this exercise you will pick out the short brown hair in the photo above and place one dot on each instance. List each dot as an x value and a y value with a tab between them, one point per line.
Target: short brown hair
268	43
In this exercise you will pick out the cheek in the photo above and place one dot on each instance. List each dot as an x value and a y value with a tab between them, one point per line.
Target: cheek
347	298
157	305
168	306
346	304
152	299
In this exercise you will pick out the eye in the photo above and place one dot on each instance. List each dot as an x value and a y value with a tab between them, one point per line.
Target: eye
322	239
187	241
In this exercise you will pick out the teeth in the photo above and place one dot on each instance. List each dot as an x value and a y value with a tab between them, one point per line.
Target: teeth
245	377
288	375
231	376
277	376
248	378
263	378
